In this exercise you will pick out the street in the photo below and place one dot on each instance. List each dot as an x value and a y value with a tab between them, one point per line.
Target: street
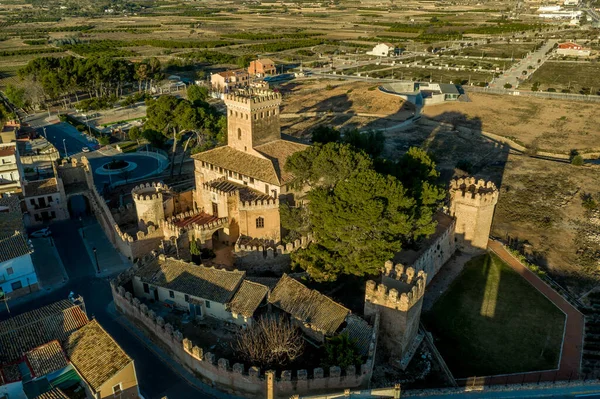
529	64
156	379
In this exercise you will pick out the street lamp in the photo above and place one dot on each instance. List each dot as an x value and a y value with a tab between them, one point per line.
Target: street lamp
45	135
65	145
96	256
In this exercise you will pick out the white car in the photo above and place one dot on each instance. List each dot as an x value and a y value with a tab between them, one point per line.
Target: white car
85	149
41	233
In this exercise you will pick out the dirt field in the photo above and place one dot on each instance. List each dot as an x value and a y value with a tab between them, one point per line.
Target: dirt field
337	103
548	125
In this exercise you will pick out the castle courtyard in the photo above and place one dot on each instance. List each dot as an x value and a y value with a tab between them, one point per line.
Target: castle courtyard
492	321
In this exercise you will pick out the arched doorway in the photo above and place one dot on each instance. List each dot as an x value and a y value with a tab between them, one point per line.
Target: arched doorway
78	206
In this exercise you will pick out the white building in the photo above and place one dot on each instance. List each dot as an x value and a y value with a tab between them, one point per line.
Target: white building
17	275
11	169
571	2
549	8
45	200
200	290
383	50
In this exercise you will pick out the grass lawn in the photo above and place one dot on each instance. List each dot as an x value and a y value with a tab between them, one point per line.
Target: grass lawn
491	321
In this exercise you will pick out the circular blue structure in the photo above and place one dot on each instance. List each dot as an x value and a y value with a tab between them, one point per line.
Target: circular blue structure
140	165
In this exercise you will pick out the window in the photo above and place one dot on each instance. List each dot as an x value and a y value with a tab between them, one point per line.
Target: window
37	217
245	148
32	201
16	285
146	288
118	389
9	270
50	199
252	180
171	294
260	222
266	189
239	133
53	214
207	303
187	298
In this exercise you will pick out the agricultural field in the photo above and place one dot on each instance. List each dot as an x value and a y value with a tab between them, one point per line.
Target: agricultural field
572	76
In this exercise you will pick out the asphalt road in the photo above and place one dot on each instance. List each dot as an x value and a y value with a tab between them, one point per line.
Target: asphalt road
156	379
515	73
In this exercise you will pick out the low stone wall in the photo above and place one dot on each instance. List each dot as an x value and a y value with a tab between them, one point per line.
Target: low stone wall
235	379
141	244
261	259
124	214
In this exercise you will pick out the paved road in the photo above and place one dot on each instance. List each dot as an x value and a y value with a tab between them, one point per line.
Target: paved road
155	378
512	75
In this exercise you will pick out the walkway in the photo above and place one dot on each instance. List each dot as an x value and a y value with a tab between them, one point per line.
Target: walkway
570	360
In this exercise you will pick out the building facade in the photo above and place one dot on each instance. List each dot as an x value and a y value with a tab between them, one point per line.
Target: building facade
223	82
11	170
262	67
45	200
17	274
572	49
384	50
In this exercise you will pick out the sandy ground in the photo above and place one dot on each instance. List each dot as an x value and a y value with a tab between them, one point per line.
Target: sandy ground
548	125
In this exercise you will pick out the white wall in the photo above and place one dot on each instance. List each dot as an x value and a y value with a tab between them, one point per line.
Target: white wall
22	271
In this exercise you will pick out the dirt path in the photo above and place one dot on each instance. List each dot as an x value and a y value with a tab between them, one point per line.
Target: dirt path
570	360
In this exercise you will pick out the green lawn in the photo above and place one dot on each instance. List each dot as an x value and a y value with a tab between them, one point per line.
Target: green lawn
492	321
562	75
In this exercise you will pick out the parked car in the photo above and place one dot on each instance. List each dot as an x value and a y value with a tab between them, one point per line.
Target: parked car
85	149
41	233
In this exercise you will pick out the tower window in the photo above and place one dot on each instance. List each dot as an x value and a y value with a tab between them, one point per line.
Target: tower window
246	116
255	116
266	189
260	222
239	134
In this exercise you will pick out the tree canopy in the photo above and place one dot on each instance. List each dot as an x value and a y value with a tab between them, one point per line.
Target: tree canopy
359	217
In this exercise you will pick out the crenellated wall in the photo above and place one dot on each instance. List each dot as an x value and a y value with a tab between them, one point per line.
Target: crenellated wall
152	203
274	258
236	378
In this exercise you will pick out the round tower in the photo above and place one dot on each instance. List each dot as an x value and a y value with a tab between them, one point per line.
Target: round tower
472	204
152	203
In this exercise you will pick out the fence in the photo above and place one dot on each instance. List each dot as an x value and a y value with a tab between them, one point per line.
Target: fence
538	94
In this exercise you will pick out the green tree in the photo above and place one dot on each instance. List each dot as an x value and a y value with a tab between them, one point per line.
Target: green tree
372	142
577	160
15	95
135	134
325	134
156	138
104	140
197	94
341	351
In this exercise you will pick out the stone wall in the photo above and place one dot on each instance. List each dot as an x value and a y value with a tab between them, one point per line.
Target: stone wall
124	214
259	259
236	378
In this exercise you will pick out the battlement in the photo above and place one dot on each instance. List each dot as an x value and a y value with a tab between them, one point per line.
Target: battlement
259	204
149	192
252	96
270	250
408	291
479	192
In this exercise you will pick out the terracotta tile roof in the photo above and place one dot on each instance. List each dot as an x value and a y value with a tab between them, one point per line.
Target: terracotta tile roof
278	152
248	298
199	219
29	330
308	306
11	218
13	245
46	359
265	61
358	329
40	187
95	354
55	393
200	281
240	162
246	193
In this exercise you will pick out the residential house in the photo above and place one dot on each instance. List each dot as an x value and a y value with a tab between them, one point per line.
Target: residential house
104	367
17	274
223	82
45	200
11	170
262	67
384	50
9	131
203	291
317	315
56	352
573	49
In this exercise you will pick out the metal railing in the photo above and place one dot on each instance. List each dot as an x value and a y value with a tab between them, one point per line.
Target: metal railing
538	94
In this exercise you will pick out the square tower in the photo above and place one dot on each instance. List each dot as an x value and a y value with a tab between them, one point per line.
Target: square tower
252	118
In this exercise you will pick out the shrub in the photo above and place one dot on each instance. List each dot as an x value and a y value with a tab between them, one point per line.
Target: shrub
588	202
577	160
341	351
80	128
62	117
507	86
104	140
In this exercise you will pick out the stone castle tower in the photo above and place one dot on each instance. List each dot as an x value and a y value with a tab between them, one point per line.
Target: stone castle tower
398	300
153	202
472	203
252	118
